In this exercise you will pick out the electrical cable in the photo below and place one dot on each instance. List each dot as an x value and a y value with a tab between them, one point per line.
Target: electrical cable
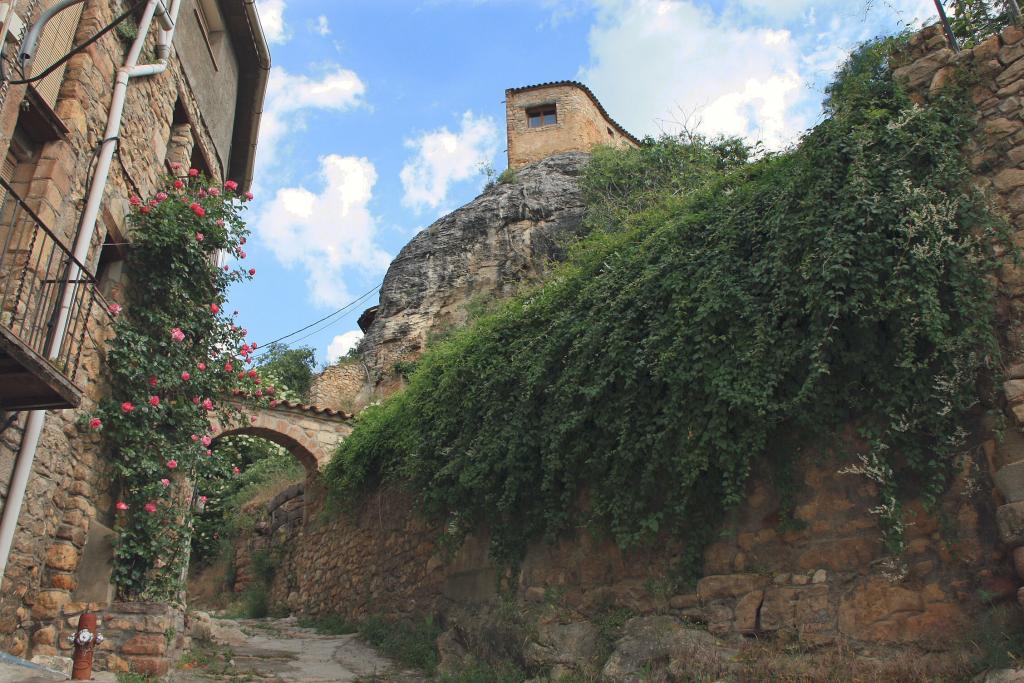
53	67
314	323
328	324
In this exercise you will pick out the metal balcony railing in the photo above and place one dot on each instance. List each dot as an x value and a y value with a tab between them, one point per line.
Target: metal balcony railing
35	266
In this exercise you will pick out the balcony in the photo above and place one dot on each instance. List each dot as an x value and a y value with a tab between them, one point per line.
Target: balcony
35	266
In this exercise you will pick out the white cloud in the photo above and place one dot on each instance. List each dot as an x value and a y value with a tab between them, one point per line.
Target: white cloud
443	158
750	69
328	232
342	344
657	64
272	19
322	26
288	95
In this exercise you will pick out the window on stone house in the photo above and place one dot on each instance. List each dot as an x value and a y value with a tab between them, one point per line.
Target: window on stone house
211	27
55	42
545	115
611	134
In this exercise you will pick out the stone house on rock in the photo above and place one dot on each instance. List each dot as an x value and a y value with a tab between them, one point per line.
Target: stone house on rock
195	98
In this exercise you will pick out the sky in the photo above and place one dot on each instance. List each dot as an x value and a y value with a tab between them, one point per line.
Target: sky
380	115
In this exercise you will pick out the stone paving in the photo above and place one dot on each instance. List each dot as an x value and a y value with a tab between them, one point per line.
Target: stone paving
280	651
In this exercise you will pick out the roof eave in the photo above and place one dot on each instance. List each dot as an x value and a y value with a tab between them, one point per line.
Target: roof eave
243	25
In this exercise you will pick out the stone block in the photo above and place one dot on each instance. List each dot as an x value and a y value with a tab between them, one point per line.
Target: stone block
1010	522
63	557
1010	481
145	644
745	615
728	586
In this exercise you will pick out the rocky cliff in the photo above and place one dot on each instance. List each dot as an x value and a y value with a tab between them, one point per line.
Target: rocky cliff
488	248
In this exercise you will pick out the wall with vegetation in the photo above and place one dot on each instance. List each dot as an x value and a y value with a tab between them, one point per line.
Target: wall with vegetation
766	394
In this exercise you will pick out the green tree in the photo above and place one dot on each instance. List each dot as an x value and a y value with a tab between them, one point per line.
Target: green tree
292	368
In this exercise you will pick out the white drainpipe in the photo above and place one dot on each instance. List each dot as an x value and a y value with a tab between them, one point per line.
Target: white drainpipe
87	226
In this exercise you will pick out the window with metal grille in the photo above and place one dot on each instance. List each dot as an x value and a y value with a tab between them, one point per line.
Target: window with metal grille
541	116
55	42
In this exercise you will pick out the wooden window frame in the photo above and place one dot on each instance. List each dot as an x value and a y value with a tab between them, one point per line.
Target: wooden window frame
542	112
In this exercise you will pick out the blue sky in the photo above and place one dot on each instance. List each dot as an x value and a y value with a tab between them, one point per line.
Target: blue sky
380	113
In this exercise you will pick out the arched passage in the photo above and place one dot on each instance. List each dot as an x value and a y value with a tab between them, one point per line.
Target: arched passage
308	432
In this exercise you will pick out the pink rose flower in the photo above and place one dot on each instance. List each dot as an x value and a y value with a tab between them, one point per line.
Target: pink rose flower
175	166
214	308
231	185
201	366
127	407
270	390
115	309
249	196
172	464
207	441
226	269
152	380
178	184
195	399
213	191
177	335
134	201
235	470
252	419
202	194
203	499
253	346
165	482
149	507
259	392
220	222
197	209
252	374
161	196
209	452
274	403
208	404
228	367
252	271
95	423
193	172
185	376
200	237
121	505
145	209
195	437
154	400
241	240
241	254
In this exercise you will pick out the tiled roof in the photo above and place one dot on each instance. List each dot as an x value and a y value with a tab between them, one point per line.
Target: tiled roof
577	84
316	410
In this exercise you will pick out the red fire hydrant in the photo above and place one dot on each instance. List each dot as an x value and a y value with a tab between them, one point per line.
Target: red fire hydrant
85	640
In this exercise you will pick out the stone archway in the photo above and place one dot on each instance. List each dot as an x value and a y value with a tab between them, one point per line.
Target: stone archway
310	433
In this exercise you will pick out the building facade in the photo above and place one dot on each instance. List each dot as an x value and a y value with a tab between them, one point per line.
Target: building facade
201	111
551	118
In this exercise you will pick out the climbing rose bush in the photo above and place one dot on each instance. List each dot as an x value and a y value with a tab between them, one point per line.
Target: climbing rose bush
171	372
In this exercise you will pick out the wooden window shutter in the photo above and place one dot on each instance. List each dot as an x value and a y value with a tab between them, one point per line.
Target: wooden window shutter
56	41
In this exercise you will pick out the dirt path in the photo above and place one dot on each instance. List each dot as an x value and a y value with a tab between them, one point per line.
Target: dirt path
280	651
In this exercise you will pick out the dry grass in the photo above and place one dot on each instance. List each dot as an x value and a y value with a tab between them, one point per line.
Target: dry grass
206	587
770	663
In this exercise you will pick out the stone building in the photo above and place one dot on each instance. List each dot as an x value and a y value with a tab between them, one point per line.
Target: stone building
198	105
551	118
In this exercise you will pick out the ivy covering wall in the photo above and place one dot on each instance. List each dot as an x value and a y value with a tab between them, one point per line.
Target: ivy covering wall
719	306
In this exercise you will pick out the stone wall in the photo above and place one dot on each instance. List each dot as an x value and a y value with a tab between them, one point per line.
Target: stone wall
343	386
68	498
581	125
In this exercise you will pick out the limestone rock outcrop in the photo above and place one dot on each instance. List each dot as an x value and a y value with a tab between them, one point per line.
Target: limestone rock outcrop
488	248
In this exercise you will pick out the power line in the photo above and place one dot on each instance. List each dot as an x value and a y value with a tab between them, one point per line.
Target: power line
341	310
